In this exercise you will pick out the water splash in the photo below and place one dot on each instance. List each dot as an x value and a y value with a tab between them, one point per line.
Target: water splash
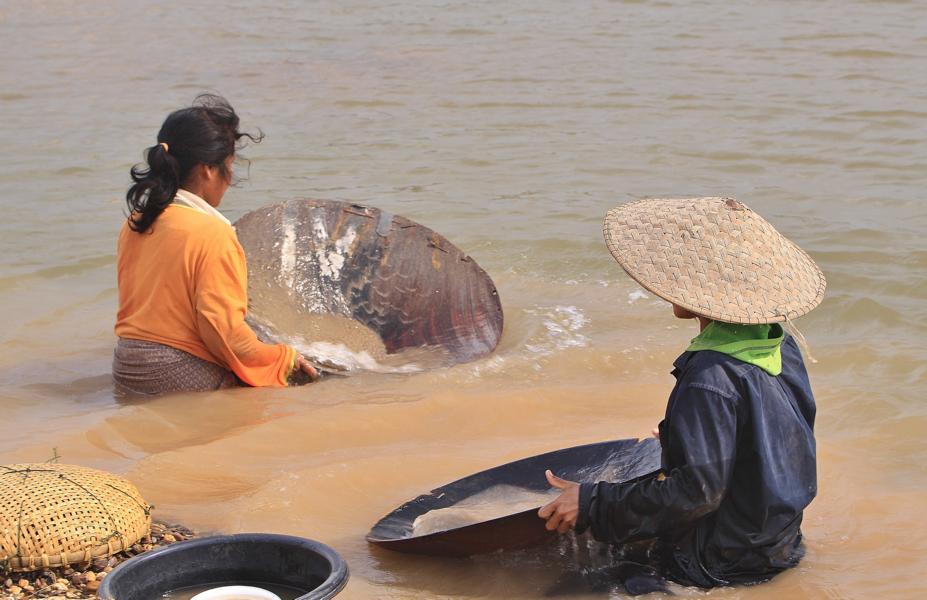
343	358
563	325
637	295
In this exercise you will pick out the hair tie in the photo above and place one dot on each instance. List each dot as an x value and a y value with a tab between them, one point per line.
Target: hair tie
163	145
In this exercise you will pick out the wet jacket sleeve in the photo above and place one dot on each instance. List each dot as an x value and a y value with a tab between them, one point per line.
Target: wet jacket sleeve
220	302
699	436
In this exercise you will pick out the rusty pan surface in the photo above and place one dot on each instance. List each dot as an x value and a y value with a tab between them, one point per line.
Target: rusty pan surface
615	461
404	281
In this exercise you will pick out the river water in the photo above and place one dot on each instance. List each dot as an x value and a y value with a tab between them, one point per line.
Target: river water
510	128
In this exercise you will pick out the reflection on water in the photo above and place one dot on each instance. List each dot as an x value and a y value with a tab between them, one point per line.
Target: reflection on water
510	128
572	566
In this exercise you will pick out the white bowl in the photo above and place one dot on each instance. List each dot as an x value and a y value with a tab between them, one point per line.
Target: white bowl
236	592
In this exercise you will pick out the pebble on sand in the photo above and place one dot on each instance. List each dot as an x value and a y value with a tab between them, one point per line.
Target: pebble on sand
82	581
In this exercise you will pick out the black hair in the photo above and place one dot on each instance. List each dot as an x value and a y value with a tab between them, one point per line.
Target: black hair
205	133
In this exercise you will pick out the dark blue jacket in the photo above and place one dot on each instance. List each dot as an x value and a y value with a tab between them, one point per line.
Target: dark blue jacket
739	466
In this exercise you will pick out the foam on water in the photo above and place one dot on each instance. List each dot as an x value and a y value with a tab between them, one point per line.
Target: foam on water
562	325
637	295
344	358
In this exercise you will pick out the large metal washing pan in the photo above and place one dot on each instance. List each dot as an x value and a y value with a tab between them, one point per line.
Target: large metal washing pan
407	283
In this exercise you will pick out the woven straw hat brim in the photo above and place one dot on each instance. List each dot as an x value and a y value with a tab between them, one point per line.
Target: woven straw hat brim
714	257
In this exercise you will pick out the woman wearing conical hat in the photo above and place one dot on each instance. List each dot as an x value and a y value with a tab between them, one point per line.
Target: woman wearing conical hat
738	448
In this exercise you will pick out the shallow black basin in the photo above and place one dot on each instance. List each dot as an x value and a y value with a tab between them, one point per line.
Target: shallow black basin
246	559
615	461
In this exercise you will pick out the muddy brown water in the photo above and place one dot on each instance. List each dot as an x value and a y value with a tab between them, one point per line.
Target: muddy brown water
510	128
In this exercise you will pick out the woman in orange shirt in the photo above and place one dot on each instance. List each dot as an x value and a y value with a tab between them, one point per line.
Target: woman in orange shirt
181	271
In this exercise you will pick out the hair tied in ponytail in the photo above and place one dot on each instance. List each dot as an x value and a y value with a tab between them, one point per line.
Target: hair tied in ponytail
203	134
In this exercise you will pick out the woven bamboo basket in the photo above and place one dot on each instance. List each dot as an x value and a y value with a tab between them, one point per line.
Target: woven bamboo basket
55	515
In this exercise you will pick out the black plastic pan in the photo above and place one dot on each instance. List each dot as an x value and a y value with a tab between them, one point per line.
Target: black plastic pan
615	461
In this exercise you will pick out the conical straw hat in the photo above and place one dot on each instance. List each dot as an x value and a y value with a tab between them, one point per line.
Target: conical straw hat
714	257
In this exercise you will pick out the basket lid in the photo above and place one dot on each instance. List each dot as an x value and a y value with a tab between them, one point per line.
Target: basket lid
54	515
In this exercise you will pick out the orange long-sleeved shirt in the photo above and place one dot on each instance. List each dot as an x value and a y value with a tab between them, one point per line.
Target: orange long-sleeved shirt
183	283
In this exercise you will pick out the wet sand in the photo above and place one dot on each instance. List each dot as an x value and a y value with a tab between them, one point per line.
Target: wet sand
492	503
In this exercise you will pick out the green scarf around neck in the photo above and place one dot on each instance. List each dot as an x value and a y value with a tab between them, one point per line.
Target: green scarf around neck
754	344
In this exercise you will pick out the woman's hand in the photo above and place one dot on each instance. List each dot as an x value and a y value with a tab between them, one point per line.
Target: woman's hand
303	365
561	513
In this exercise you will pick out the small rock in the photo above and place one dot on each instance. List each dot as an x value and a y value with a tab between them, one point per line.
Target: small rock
22	583
62	580
90	576
169	538
101	575
106	570
61	587
8	583
93	585
15	589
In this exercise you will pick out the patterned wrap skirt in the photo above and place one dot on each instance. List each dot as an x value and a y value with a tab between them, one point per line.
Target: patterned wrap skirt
148	369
